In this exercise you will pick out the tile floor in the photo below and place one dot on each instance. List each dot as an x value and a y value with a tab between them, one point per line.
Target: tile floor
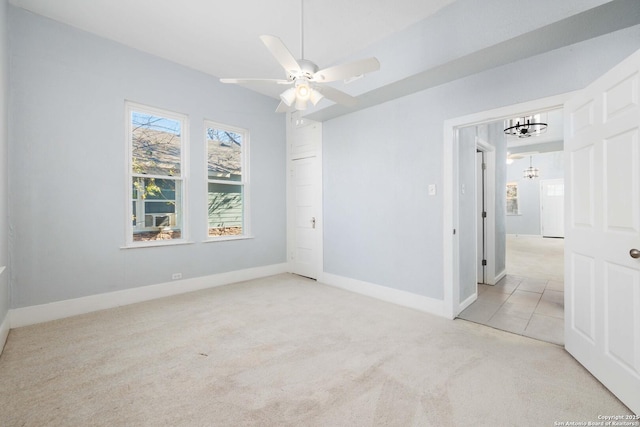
521	305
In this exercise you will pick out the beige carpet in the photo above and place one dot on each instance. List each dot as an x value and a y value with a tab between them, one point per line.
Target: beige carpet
286	351
535	257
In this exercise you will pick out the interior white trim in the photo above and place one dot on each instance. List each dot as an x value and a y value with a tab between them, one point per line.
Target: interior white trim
394	296
499	276
470	300
4	331
5	324
490	209
450	127
60	309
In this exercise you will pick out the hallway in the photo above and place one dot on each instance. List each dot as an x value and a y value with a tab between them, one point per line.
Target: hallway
529	300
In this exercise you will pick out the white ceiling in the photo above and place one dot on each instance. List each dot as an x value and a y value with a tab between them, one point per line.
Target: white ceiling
221	37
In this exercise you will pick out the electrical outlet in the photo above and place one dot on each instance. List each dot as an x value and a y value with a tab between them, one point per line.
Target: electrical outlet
176	276
432	189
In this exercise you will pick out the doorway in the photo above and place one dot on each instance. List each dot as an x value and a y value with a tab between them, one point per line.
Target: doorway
529	299
523	299
453	303
601	156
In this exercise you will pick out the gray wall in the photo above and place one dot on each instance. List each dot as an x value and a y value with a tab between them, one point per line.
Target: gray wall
380	224
551	166
4	199
67	147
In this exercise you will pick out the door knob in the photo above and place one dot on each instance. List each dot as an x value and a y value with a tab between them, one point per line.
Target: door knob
634	253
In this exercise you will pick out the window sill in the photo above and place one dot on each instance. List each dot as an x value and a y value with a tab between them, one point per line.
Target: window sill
227	238
512	214
156	243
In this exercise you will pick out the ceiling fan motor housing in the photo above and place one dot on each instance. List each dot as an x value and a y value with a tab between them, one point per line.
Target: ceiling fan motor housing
307	70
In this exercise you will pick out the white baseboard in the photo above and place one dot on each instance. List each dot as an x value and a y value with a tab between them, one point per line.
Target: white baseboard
4	331
500	275
466	303
534	236
395	296
67	308
5	323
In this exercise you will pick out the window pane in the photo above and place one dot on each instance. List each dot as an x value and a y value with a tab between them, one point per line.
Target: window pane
225	209
224	154
156	145
156	212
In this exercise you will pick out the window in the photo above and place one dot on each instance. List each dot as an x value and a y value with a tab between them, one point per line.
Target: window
512	198
156	141
227	181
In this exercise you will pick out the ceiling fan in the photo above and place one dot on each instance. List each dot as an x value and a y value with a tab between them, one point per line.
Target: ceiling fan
305	80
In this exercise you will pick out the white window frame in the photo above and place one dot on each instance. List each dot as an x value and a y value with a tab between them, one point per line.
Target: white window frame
130	107
244	182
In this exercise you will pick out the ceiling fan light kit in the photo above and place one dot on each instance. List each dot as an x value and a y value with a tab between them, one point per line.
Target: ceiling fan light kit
288	96
307	80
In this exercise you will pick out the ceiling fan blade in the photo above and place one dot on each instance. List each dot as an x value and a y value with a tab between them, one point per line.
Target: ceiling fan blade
336	95
281	53
346	71
267	81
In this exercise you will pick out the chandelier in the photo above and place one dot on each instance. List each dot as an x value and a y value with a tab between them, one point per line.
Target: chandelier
530	172
525	127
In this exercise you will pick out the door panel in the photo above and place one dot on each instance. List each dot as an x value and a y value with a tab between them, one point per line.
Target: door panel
304	212
583	302
602	293
621	293
304	180
621	171
581	170
621	97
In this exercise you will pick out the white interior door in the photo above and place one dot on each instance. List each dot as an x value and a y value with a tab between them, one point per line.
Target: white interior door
305	250
552	207
602	280
305	197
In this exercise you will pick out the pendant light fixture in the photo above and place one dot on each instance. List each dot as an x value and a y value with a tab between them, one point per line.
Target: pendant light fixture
525	127
530	172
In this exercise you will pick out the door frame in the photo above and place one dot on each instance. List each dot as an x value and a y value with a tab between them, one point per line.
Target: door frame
452	306
481	221
490	203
